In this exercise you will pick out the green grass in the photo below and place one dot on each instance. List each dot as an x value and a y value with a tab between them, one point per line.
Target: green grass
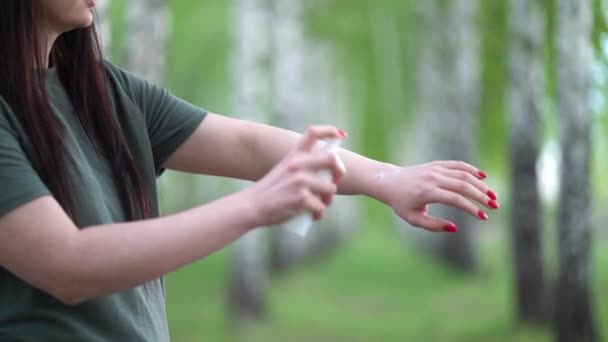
374	289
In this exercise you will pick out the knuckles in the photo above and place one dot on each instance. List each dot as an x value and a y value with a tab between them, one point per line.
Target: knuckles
461	187
312	131
433	177
301	197
294	164
464	176
299	180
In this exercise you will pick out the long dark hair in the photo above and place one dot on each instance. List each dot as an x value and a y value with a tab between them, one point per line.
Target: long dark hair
77	58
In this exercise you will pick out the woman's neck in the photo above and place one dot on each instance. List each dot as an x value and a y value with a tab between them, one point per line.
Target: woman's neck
49	36
50	41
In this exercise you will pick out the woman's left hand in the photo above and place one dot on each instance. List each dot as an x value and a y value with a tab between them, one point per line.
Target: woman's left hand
409	190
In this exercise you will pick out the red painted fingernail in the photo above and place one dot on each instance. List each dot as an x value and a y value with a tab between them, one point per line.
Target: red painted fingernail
482	174
450	228
492	195
343	133
482	215
493	204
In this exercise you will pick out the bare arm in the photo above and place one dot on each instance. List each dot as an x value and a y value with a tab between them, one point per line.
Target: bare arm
240	149
223	146
41	245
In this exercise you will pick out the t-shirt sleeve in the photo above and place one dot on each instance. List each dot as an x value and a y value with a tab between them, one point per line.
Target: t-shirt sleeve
19	182
170	120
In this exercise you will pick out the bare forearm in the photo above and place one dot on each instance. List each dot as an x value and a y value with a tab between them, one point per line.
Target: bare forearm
268	144
227	147
114	257
363	175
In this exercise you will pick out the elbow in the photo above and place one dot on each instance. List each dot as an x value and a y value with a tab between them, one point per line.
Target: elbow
68	279
70	289
68	295
69	299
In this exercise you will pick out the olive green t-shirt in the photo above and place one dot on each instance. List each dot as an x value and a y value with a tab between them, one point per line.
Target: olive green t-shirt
155	123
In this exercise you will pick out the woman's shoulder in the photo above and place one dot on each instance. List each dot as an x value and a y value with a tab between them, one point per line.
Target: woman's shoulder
126	79
116	74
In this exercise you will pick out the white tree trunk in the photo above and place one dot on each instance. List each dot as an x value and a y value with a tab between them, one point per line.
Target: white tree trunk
252	87
458	135
148	29
390	76
307	91
448	101
574	313
526	96
147	39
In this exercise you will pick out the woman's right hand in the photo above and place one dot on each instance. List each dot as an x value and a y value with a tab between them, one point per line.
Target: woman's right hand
293	185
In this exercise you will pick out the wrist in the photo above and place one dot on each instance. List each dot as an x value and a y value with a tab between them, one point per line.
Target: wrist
247	210
380	188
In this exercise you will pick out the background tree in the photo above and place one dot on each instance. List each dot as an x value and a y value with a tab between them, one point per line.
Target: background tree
247	289
445	123
307	91
573	309
373	281
148	29
526	92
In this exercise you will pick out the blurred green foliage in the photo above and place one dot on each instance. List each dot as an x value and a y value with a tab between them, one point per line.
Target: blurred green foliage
374	289
377	287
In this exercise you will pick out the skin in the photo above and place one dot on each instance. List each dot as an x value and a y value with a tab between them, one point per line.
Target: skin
40	244
65	15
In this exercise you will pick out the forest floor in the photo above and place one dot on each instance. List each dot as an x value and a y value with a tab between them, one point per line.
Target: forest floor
374	288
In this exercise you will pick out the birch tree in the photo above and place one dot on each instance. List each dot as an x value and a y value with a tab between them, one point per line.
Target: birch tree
448	88
307	91
148	29
526	96
252	84
573	309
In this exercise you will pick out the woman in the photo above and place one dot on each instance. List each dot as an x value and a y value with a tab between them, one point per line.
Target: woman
82	249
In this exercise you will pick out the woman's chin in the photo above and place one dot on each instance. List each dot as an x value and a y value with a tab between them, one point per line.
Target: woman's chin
82	22
88	20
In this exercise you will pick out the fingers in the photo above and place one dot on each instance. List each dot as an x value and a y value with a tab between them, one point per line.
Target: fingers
314	194
469	178
314	191
313	204
315	133
315	184
456	184
456	200
462	166
327	199
422	220
318	162
465	184
470	174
